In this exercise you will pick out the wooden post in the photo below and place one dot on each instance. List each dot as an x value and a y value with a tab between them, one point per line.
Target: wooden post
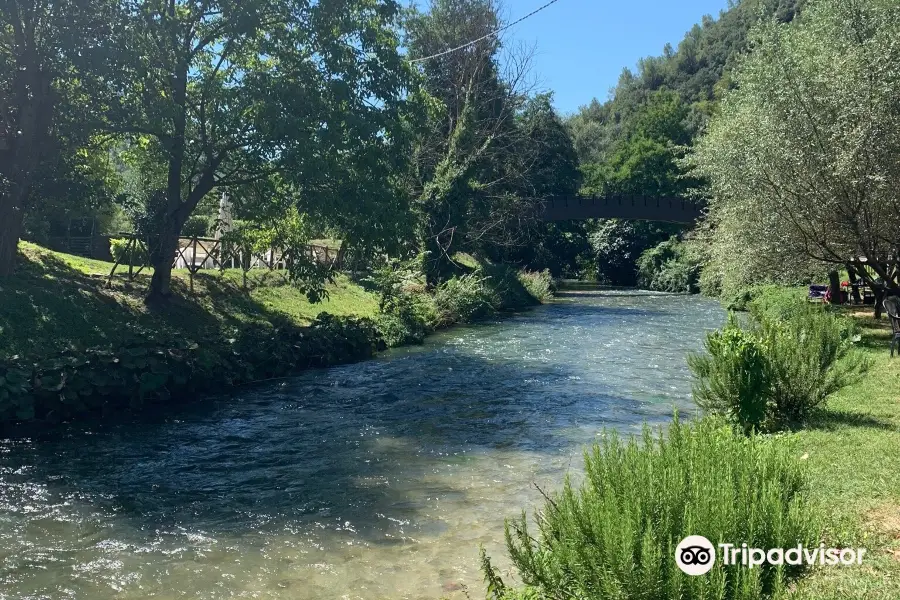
129	251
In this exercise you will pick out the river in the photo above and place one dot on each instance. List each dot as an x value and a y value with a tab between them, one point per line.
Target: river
373	480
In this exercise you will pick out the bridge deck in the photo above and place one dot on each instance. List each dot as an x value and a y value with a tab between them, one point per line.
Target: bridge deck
645	208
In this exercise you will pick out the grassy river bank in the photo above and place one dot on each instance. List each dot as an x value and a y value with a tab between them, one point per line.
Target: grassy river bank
71	345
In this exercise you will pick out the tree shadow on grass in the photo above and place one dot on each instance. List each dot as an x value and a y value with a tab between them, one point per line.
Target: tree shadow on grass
49	306
830	419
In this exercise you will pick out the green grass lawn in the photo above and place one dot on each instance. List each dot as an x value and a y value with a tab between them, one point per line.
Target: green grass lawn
853	453
57	301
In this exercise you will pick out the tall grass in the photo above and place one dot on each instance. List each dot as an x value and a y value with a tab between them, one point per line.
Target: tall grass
615	535
538	283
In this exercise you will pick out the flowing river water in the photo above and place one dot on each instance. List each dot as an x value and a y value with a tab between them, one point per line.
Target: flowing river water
374	480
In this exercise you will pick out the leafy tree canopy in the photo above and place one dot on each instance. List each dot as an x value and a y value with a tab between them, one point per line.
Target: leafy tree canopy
802	159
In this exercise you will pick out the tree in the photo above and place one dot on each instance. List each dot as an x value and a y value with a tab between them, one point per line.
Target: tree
472	165
802	159
235	92
697	71
546	156
52	65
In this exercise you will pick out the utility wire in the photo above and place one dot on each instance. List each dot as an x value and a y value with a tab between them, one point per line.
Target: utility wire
484	37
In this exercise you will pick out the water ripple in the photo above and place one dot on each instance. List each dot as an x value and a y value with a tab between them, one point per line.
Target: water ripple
379	479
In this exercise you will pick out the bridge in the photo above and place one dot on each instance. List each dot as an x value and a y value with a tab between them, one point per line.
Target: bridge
641	208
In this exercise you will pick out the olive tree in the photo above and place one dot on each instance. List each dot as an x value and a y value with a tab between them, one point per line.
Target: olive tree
802	158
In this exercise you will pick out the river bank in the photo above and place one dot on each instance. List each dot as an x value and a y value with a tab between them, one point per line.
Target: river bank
372	480
73	346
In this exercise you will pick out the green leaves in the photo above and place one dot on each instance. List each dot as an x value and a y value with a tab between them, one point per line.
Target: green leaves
801	158
775	373
614	533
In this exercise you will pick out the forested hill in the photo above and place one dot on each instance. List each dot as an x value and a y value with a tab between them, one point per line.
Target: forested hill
697	71
629	144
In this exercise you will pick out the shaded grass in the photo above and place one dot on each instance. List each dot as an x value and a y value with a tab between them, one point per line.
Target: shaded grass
57	301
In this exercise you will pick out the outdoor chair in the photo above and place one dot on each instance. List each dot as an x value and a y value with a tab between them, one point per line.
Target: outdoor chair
892	307
817	293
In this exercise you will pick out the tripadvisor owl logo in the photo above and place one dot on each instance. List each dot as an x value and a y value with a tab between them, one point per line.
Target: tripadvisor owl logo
695	555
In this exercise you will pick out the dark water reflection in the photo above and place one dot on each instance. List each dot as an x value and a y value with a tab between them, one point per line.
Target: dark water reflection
374	480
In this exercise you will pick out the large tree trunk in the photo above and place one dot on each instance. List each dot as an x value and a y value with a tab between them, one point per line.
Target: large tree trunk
834	286
22	149
162	256
879	301
11	217
164	244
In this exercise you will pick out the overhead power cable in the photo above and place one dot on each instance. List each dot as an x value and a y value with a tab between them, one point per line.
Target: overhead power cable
486	36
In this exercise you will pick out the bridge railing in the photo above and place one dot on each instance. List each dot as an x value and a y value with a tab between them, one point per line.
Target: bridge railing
649	208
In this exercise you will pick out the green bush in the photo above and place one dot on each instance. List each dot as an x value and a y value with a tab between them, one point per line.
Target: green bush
615	535
669	267
538	283
775	372
777	302
505	286
124	255
407	313
407	321
464	299
810	356
732	378
197	226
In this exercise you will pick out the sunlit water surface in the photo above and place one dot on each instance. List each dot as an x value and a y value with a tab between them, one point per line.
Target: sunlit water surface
373	480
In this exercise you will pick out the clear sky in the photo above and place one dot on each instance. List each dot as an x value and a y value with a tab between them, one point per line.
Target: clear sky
583	45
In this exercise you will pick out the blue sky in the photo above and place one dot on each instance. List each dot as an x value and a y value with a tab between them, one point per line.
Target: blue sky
583	45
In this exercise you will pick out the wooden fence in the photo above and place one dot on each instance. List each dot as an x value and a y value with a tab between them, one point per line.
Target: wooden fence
197	253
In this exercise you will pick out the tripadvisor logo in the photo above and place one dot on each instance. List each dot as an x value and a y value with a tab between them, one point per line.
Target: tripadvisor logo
696	555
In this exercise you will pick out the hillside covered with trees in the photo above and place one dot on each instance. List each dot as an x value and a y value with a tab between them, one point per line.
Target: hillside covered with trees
631	144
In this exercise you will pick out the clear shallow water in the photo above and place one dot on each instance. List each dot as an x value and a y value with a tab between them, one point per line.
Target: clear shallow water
374	480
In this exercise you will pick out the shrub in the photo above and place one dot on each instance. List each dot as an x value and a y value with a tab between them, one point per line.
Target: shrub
538	283
775	302
464	299
615	535
407	312
124	255
407	321
505	286
669	267
809	356
732	378
196	226
774	373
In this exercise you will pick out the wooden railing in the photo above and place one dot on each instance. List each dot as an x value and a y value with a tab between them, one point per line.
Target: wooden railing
196	253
